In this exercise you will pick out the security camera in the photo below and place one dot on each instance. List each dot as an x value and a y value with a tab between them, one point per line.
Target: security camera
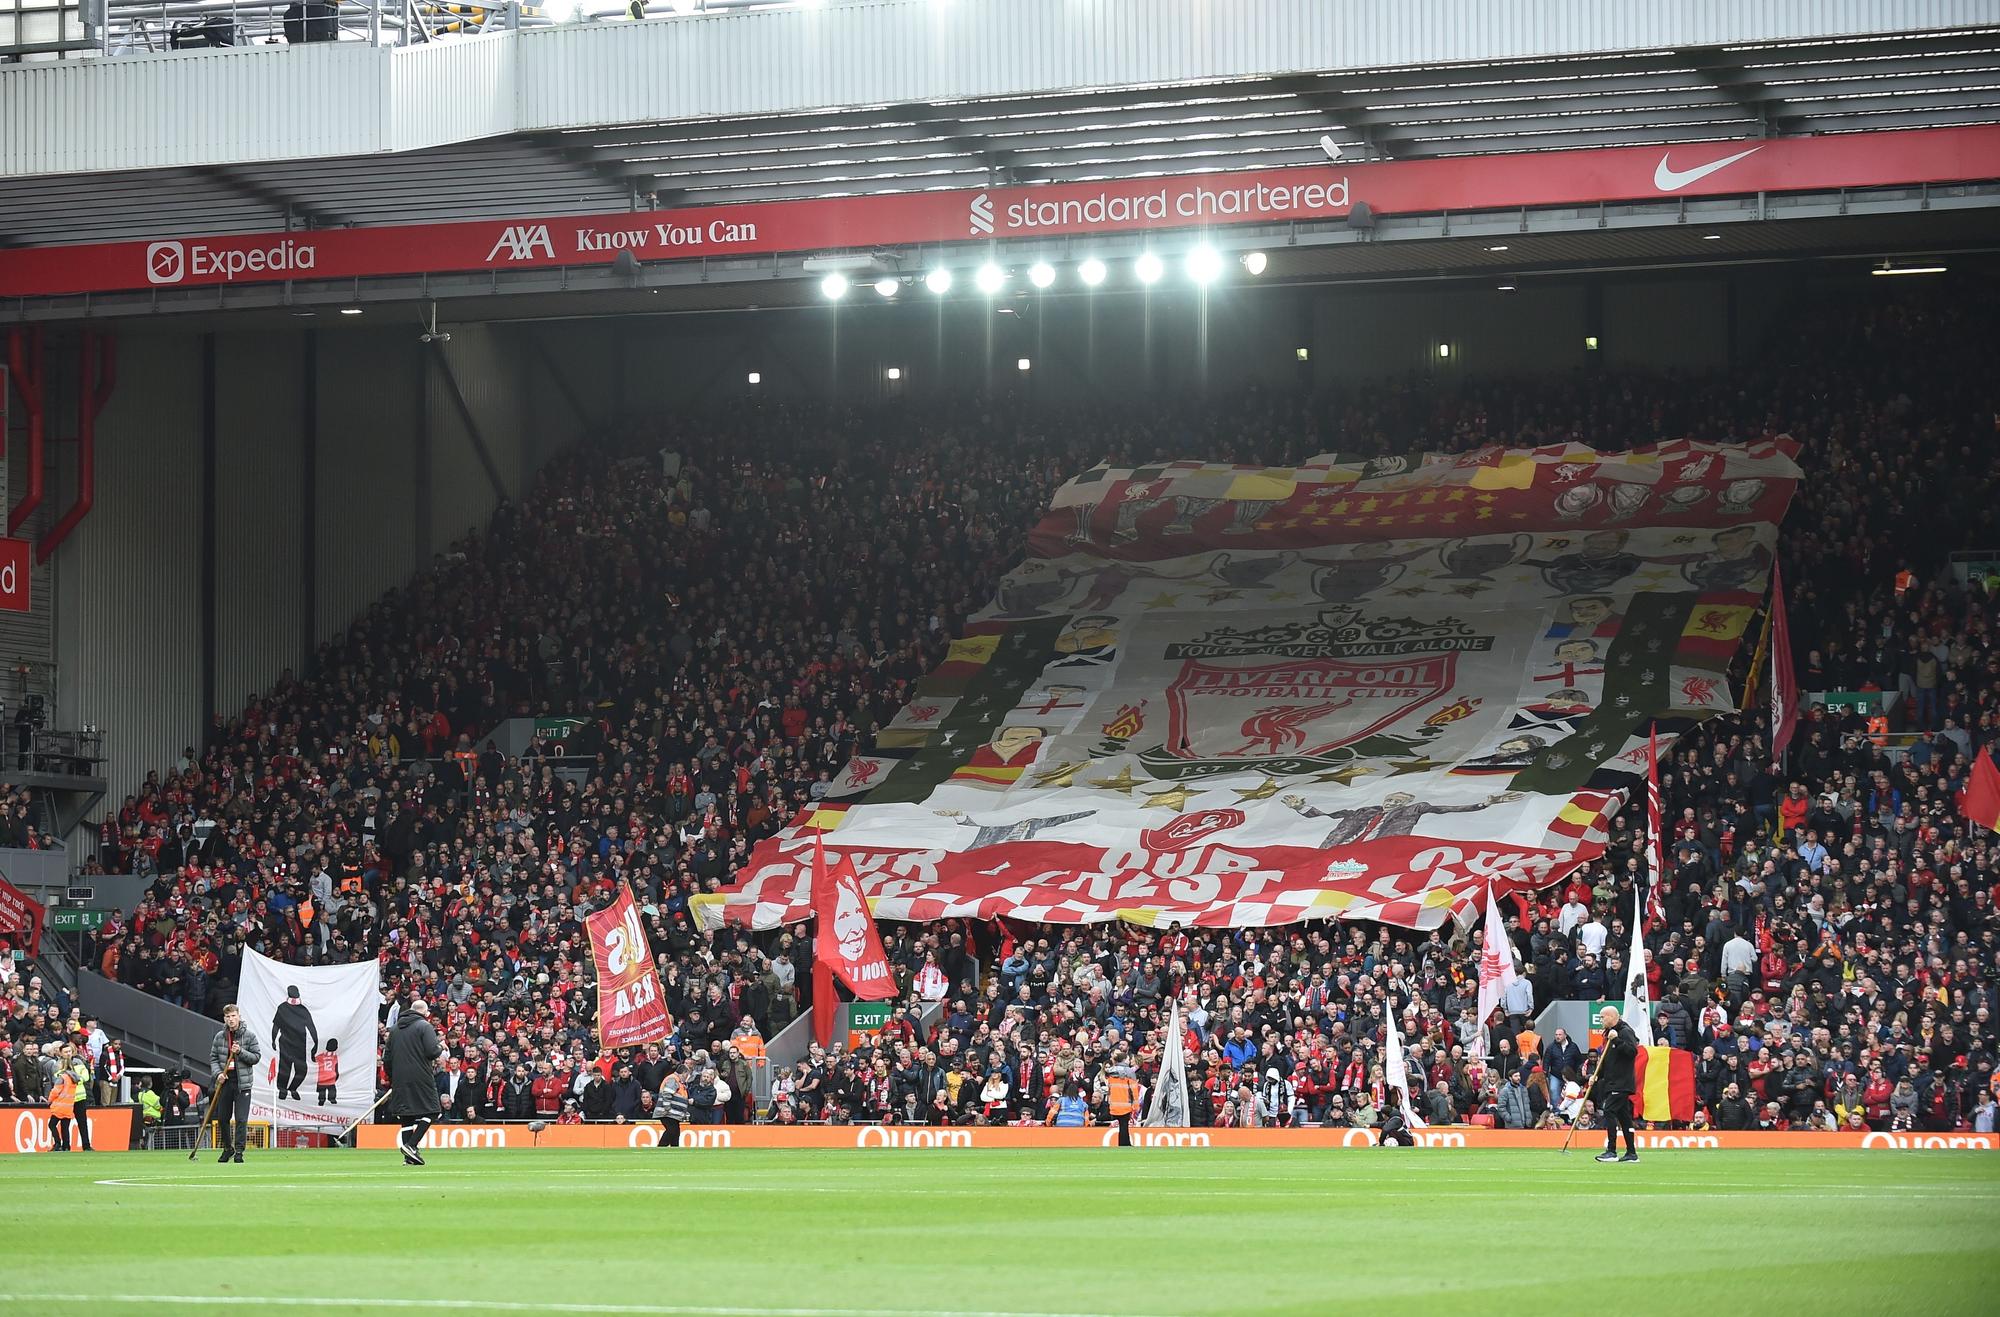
1331	147
433	334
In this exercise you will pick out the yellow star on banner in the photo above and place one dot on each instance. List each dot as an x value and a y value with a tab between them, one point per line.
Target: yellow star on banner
1060	775
1344	776
1264	792
1175	798
1418	765
1163	601
1122	784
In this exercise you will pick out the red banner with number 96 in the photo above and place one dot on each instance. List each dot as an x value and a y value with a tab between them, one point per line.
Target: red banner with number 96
630	1009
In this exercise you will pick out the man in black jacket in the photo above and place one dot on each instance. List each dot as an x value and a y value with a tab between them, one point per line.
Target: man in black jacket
294	1037
413	1056
1613	1086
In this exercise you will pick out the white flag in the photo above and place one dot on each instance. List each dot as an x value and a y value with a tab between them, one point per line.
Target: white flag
1395	1072
1638	1012
1169	1107
311	1019
1496	964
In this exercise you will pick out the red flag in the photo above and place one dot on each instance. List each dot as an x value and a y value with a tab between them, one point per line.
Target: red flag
1655	908
846	941
630	1008
1784	683
1981	801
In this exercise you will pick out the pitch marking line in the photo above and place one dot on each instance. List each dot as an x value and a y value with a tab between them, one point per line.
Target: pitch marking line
494	1305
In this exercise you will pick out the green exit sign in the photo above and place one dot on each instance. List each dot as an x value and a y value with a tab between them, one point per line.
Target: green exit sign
76	921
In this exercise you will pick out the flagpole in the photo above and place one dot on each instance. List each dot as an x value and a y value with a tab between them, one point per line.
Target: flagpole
1757	659
1486	1016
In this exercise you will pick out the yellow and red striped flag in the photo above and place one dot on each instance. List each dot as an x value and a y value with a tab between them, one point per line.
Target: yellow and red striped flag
1664	1079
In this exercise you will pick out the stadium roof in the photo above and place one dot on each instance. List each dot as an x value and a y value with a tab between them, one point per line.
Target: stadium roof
1655	96
576	155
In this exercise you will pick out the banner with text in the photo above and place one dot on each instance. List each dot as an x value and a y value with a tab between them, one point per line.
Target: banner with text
318	1026
925	1138
1223	696
630	1008
1457	184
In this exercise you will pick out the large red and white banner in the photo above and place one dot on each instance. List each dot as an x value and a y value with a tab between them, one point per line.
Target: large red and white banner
920	1138
1189	201
1223	696
630	1008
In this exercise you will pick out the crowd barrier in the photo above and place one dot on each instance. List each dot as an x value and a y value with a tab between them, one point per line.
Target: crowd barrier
26	1129
1002	1136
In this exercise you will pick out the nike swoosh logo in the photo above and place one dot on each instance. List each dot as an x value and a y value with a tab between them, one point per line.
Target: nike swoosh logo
1668	179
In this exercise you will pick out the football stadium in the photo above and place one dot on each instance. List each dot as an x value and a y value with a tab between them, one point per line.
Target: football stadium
999	658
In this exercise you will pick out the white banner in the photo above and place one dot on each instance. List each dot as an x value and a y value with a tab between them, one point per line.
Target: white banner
315	1022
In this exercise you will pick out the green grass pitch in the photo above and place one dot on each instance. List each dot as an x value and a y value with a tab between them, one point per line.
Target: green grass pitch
956	1233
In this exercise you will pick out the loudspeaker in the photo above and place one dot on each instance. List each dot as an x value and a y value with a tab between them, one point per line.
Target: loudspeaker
1362	216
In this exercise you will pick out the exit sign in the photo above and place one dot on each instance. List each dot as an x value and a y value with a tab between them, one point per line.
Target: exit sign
77	921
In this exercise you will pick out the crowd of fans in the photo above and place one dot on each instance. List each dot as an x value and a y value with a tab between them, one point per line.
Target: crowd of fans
732	607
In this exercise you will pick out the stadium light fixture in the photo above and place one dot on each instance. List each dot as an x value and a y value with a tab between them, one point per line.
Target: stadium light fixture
1041	274
1505	288
756	378
1590	342
893	373
350	310
1711	237
1091	272
990	279
1148	268
1498	247
1303	354
1204	265
1023	364
1886	268
1444	352
833	287
1255	262
938	281
887	287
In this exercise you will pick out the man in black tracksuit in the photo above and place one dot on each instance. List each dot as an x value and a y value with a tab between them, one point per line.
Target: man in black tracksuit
413	1055
1613	1087
294	1037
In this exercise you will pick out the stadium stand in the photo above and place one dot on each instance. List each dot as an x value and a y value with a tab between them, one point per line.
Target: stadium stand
734	606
